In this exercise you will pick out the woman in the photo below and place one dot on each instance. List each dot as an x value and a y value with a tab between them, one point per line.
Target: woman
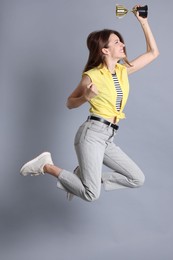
105	86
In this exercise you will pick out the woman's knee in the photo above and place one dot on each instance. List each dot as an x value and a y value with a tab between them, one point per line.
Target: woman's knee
91	196
139	181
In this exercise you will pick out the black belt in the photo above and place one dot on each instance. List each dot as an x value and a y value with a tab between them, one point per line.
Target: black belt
103	121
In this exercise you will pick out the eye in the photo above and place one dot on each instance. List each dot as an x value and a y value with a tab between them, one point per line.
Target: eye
117	41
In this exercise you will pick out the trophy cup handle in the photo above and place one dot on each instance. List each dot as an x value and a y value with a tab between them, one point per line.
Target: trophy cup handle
143	11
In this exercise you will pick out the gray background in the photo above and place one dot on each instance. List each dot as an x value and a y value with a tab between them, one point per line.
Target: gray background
42	54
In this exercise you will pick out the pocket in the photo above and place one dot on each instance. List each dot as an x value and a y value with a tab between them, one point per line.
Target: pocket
96	132
80	133
97	126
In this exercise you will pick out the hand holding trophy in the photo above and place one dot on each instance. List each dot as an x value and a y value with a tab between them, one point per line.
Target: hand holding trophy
122	11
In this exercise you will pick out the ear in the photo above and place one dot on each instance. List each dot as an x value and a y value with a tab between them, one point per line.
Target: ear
105	51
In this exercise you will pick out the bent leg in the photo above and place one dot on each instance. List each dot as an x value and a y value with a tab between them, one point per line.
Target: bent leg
90	150
125	172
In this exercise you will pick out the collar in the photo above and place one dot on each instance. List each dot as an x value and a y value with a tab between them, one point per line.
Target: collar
103	69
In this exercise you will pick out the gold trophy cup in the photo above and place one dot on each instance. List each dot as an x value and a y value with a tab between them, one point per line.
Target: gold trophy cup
121	11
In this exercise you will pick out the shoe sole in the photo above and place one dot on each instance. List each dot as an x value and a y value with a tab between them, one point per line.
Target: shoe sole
32	161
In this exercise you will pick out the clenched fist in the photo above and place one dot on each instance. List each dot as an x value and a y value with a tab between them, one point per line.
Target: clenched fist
90	92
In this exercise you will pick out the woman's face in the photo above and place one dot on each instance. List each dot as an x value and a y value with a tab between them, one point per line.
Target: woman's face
115	47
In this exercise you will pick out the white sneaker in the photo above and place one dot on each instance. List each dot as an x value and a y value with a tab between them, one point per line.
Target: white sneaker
35	166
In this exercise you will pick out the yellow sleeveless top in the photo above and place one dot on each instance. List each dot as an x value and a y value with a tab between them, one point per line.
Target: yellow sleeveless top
104	104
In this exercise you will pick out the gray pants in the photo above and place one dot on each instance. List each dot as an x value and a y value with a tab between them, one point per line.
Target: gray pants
94	147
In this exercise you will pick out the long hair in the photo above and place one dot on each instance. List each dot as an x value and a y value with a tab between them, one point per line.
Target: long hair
96	41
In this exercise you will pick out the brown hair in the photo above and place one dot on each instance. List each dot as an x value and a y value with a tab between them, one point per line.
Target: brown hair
96	41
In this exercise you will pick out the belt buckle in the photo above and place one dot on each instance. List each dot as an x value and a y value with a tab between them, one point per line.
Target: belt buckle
110	124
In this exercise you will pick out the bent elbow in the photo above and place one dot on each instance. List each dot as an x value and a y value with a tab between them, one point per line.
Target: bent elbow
156	54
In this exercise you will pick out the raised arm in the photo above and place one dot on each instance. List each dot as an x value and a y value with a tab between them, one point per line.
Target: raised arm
152	51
